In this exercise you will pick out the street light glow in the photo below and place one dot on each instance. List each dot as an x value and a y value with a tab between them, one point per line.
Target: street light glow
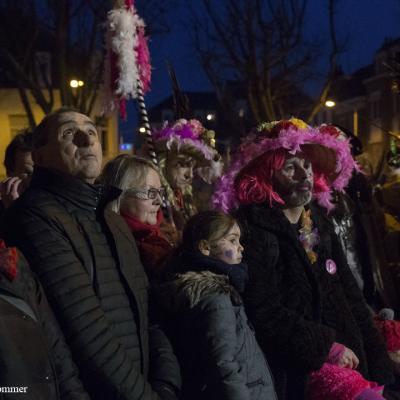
210	117
75	83
330	103
142	129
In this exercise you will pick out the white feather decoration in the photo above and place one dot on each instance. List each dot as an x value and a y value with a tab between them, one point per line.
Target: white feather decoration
121	24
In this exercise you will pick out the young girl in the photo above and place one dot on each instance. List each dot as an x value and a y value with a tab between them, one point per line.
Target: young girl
216	346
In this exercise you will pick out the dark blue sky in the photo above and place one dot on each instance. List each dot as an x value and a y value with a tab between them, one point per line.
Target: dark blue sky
365	24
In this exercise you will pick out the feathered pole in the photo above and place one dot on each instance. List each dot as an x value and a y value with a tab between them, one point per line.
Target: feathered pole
128	69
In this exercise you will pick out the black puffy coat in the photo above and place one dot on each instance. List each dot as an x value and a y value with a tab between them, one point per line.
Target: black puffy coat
213	339
34	358
87	260
299	309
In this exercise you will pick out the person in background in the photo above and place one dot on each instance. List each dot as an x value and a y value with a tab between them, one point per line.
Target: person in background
351	218
139	205
185	148
35	362
19	167
88	263
214	341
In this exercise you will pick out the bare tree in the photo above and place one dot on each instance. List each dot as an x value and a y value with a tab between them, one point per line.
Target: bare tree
53	42
45	44
262	45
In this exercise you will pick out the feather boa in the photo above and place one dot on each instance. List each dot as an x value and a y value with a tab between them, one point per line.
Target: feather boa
128	58
292	139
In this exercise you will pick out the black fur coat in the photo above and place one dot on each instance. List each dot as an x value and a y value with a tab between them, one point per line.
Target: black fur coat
299	309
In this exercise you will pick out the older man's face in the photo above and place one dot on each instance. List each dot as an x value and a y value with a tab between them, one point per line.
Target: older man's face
294	182
72	147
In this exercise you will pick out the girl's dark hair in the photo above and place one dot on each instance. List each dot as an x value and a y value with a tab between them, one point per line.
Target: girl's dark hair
207	225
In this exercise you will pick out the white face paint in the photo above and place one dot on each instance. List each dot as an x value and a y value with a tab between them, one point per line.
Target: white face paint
179	171
294	182
228	249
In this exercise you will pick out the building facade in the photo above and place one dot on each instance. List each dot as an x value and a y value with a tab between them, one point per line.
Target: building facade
13	119
368	103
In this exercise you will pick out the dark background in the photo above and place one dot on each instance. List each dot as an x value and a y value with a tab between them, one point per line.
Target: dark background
361	24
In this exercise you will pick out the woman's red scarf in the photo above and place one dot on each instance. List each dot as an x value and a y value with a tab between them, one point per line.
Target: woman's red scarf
8	261
140	229
154	249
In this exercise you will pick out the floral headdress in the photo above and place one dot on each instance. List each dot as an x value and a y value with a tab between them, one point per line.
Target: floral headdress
326	145
187	132
192	138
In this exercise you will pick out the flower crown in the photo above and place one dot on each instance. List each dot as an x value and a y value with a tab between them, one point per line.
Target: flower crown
331	154
187	129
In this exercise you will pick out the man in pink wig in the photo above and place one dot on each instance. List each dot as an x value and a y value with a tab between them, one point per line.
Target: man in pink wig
302	298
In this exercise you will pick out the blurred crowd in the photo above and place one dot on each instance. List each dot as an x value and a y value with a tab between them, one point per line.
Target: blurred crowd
179	276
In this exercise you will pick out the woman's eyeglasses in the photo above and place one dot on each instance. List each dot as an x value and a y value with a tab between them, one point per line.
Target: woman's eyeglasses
146	194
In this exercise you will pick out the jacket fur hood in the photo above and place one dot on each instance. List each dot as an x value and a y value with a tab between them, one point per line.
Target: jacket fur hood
185	291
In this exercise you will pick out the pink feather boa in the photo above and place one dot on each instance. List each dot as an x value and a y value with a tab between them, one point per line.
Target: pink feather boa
291	139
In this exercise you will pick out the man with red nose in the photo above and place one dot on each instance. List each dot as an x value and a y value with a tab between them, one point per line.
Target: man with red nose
301	297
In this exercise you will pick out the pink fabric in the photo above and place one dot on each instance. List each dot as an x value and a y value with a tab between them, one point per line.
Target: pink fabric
143	60
370	394
390	330
335	353
332	382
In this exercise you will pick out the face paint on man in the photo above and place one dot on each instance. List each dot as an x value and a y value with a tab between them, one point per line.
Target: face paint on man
179	171
294	182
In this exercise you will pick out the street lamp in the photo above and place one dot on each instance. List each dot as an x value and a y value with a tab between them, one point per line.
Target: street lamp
210	117
75	83
142	129
330	103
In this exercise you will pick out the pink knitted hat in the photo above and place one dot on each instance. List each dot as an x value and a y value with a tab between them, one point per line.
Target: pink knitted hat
327	148
390	330
332	382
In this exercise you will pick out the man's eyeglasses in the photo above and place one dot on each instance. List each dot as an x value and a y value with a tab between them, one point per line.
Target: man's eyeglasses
146	194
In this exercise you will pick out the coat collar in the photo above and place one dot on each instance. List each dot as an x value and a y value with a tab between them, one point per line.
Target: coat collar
269	218
83	195
274	221
183	291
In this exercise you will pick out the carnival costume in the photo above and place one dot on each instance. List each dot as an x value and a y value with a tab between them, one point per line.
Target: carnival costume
301	298
190	138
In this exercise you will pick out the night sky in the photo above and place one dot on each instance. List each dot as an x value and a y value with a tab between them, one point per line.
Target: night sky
364	23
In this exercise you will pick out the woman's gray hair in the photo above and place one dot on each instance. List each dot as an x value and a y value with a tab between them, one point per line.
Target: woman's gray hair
124	172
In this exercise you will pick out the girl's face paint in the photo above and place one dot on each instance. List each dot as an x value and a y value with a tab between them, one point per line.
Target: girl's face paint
228	249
